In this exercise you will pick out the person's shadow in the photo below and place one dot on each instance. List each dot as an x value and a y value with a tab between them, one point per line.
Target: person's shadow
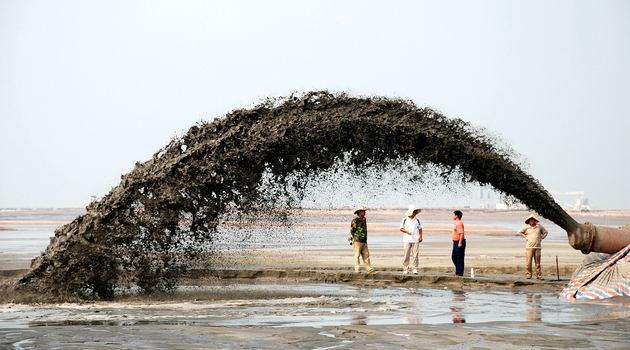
457	306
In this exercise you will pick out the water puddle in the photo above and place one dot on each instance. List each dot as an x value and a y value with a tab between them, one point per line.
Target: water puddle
318	305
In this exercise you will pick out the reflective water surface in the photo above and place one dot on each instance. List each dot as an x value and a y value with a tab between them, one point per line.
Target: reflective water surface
316	305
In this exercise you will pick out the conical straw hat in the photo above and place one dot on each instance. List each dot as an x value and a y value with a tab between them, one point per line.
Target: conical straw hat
360	207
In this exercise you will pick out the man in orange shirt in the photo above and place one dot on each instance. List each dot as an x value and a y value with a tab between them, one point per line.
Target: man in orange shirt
459	243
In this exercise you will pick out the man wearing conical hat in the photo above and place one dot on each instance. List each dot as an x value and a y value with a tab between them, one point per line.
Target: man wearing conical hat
534	233
411	227
358	230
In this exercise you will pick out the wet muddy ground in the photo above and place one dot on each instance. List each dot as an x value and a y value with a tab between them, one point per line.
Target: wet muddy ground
508	335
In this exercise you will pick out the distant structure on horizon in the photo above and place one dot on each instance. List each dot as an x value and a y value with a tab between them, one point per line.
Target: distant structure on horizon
490	200
581	201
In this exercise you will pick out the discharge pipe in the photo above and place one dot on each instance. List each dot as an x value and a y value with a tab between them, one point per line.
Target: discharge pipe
589	238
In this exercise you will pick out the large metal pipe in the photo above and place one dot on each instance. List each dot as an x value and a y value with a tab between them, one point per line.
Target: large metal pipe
590	238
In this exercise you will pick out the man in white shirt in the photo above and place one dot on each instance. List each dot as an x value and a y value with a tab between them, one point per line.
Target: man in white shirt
411	227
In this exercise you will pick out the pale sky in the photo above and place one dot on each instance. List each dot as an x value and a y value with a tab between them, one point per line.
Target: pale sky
87	88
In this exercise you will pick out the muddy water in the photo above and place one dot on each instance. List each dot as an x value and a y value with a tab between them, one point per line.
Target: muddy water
317	305
317	316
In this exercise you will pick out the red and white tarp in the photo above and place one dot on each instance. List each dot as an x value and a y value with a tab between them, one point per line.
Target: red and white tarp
601	276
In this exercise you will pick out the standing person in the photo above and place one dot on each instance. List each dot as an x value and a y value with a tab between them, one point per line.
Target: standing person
534	233
358	231
411	227
459	243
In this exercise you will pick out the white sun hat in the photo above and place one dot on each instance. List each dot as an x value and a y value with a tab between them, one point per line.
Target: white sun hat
411	209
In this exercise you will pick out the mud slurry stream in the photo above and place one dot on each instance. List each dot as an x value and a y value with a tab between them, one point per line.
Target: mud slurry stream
165	212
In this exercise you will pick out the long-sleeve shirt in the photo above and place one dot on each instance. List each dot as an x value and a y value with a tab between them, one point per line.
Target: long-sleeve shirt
533	235
358	230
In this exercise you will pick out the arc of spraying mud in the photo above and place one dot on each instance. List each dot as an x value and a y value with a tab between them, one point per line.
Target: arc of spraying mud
136	232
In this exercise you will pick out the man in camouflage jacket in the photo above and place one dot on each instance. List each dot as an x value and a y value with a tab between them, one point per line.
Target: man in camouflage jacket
358	231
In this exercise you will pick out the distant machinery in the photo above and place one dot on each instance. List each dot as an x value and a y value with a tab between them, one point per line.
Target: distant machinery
581	202
491	200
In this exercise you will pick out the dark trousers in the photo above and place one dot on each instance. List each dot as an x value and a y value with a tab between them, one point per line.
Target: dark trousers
458	257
